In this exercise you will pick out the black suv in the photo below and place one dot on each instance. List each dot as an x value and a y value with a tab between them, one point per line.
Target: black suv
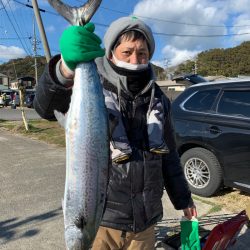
212	124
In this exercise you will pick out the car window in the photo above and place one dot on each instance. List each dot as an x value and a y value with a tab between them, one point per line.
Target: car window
235	103
202	100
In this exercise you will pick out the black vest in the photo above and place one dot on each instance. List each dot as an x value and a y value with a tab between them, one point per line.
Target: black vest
135	186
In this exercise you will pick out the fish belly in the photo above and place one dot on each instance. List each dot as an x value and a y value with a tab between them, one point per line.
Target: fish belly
87	154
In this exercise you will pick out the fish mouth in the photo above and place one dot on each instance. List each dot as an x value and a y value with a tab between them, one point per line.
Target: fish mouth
78	238
76	15
74	237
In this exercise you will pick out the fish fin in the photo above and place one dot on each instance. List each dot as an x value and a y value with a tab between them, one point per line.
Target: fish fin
61	118
80	222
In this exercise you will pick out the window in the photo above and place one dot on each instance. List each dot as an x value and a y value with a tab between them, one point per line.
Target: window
202	100
235	103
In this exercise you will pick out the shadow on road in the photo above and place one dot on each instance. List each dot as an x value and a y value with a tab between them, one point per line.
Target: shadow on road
9	228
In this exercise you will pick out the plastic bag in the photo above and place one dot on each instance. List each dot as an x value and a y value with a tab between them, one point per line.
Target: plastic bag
190	239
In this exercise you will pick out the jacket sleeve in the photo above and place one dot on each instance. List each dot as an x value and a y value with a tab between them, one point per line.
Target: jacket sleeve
50	94
174	179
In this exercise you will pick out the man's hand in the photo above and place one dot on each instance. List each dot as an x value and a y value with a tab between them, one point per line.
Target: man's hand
190	212
79	44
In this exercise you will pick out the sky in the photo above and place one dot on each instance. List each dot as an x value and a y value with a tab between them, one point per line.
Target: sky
182	28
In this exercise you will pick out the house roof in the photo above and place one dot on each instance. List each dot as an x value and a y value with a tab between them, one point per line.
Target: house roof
2	75
167	83
2	87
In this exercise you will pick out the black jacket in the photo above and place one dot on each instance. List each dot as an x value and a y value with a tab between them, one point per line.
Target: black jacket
135	186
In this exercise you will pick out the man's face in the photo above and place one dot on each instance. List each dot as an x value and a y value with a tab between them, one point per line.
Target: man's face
134	52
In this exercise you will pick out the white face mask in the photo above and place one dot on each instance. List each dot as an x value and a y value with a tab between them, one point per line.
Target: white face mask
129	66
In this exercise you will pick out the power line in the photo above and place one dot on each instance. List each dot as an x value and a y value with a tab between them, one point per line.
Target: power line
181	23
15	38
176	22
17	25
5	54
188	35
150	18
42	10
25	17
14	27
162	20
183	35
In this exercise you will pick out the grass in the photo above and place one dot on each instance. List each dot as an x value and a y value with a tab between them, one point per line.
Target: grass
215	206
47	131
229	199
232	200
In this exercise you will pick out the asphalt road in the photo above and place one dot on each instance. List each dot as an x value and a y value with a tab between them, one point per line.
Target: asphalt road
32	181
31	188
7	113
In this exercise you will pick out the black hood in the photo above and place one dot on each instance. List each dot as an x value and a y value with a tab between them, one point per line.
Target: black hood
130	81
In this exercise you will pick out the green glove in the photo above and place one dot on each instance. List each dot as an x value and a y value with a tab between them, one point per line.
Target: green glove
190	239
80	44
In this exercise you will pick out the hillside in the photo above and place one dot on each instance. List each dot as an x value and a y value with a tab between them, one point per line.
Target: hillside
25	67
228	62
22	67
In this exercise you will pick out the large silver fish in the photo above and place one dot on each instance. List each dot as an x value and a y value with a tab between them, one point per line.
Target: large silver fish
87	156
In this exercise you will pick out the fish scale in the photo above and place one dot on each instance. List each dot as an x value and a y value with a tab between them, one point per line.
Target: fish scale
87	156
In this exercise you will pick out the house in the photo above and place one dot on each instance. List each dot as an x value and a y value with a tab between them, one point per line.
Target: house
27	82
4	80
3	87
171	88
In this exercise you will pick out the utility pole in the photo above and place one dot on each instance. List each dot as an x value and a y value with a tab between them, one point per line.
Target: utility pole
195	66
14	69
41	30
167	63
35	43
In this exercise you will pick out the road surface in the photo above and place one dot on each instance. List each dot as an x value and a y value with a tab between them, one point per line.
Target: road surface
7	113
31	188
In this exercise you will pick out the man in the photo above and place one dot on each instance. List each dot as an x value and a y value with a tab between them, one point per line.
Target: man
143	157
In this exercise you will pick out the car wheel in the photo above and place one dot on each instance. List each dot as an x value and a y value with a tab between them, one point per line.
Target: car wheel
202	171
